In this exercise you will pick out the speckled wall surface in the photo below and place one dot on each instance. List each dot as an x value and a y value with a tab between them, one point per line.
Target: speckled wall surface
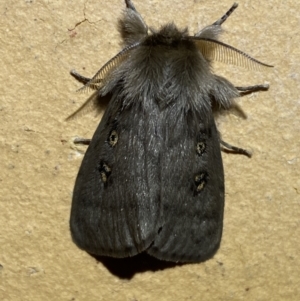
259	255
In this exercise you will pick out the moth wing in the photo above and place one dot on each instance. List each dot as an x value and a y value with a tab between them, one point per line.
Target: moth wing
116	204
192	191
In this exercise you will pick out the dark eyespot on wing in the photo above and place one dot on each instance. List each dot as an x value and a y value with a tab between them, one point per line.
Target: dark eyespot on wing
200	147
200	181
113	138
104	171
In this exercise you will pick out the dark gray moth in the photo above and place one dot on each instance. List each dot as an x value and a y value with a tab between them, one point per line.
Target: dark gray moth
152	178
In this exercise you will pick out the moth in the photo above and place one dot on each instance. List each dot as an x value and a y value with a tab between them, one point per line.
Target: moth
152	178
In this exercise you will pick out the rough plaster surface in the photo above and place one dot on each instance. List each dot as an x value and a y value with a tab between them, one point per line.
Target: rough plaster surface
259	255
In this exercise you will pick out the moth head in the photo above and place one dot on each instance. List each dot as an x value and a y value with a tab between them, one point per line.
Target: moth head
135	33
168	35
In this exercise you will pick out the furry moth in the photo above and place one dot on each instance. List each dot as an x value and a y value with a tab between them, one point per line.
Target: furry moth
152	178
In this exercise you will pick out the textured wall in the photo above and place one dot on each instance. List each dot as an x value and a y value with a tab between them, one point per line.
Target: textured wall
259	254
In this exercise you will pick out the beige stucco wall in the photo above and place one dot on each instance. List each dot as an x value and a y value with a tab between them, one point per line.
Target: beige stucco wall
259	255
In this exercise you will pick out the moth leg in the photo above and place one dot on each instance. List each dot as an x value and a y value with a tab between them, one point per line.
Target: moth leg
230	148
80	77
130	5
226	15
83	141
250	89
243	91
